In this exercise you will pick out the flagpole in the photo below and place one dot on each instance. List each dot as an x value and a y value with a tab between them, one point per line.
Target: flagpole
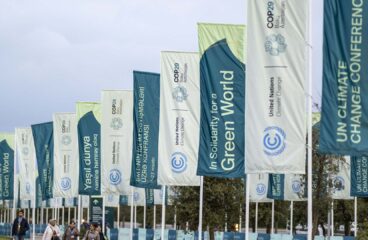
144	216
34	217
118	218
135	216
310	143
356	216
68	215
62	217
273	217
256	217
332	218
200	208
247	193
163	212
154	217
15	179
103	215
291	217
79	211
131	213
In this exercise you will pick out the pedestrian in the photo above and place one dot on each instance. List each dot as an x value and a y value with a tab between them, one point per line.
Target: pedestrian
92	233
100	233
52	231
20	226
71	232
84	227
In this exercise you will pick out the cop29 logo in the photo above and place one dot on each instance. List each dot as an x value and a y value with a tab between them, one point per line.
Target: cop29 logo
180	94
261	189
178	162
275	44
274	141
338	184
115	176
65	183
296	186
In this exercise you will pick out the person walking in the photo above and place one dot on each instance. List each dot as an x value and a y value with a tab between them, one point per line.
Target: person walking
20	226
100	233
71	232
92	233
52	231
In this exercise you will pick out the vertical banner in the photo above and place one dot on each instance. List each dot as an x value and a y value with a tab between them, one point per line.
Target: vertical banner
112	200
258	187
66	156
89	143
276	87
295	187
341	180
146	112
95	209
43	136
359	177
344	78
26	163
150	201
139	197
222	84
7	165
179	119
117	142
276	186
158	196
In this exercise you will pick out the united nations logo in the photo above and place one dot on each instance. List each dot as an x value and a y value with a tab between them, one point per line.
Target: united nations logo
110	198
28	188
261	189
275	44
274	141
116	123
25	151
178	162
115	176
296	186
65	183
338	184
66	140
180	94
136	196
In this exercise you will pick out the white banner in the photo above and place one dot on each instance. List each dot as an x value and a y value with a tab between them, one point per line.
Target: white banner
139	197
70	202
116	141
258	187
295	188
66	155
26	167
179	119
275	89
112	200
85	201
341	180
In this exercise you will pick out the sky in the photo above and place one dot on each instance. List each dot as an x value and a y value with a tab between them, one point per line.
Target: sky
55	53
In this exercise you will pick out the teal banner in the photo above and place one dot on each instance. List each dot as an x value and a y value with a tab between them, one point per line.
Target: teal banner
38	193
44	146
123	200
95	208
222	87
109	217
150	201
6	171
276	186
359	177
146	112
89	140
345	80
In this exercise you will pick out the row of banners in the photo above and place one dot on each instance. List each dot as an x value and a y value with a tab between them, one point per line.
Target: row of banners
189	121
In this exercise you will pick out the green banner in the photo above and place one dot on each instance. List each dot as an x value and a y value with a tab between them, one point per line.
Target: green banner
359	177
146	112
276	185
44	145
222	84
89	140
150	201
7	168
95	208
345	80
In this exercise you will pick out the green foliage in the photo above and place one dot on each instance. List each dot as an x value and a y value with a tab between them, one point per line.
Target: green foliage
363	230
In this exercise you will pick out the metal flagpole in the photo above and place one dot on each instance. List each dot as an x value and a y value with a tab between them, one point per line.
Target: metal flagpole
355	216
256	217
200	208
34	217
175	218
118	218
273	217
79	212
68	215
291	217
62	217
135	216
103	215
154	217
332	219
310	143
144	216
47	215
247	192
15	181
131	213
163	212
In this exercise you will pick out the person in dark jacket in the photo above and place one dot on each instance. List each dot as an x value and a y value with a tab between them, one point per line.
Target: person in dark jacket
20	226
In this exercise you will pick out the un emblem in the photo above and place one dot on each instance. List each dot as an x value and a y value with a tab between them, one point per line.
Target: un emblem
115	176
178	162
66	140
116	123
28	188
65	183
261	189
136	196
180	94
274	141
338	184
296	186
275	44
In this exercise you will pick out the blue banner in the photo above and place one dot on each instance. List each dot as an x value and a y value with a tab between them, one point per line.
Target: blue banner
345	80
276	186
44	146
222	85
149	197
145	129
359	177
123	200
6	171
